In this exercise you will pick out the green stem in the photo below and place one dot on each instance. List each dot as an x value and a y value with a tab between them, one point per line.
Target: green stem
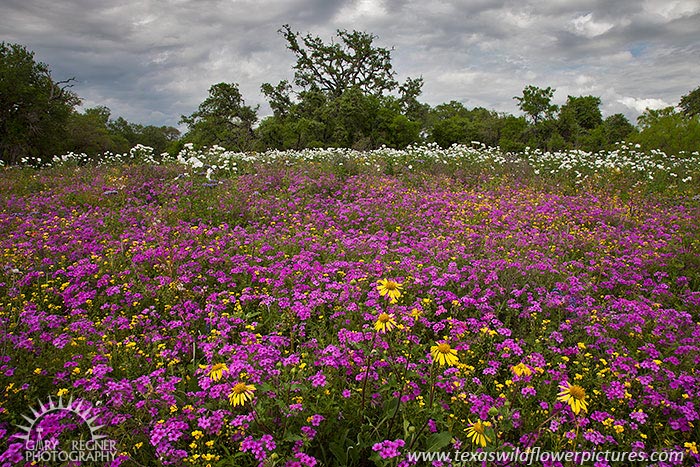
393	417
367	361
430	406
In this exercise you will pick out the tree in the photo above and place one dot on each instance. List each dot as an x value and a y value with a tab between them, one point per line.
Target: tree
578	117
87	133
451	130
614	129
34	108
487	126
585	110
568	128
513	130
346	96
690	103
453	123
408	100
124	132
279	97
93	133
222	119
617	128
353	62
537	103
159	138
667	130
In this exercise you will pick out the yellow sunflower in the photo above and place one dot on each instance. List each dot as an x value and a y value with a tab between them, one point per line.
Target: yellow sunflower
444	354
385	322
521	369
241	393
575	396
477	432
389	288
416	313
217	371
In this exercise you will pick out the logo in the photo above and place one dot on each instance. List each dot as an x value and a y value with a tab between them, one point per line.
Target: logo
42	444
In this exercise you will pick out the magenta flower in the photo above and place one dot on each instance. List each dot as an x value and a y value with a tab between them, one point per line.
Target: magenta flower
388	449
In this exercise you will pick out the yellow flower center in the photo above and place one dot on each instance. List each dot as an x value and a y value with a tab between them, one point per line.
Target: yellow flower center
577	392
240	388
384	318
391	285
444	348
478	427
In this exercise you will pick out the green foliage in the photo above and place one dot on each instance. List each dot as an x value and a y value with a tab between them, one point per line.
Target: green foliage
159	138
278	97
452	123
93	133
617	128
556	142
614	129
222	119
33	107
354	119
402	132
451	130
408	100
537	103
539	134
345	98
577	118
88	133
690	103
352	62
512	133
667	130
585	111
38	118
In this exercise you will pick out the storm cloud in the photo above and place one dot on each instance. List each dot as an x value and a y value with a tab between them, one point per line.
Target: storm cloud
152	61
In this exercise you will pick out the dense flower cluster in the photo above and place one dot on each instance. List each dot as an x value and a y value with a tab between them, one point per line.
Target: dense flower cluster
293	315
627	164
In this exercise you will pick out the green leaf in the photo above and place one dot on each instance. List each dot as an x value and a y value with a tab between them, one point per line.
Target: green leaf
292	437
338	450
439	441
392	406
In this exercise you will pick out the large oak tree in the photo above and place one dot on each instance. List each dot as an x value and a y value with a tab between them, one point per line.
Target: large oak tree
33	107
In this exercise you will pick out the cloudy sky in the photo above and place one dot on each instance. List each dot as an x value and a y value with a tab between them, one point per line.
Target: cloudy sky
152	61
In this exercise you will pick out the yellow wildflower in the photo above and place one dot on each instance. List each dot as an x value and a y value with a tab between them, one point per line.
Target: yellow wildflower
521	369
241	393
477	433
444	354
575	396
217	371
389	288
385	322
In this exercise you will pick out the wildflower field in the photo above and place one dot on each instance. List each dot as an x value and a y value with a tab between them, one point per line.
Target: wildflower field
341	308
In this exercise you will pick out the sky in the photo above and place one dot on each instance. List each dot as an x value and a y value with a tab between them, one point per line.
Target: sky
152	61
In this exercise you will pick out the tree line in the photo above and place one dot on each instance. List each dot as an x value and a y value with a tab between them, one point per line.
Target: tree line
343	94
39	116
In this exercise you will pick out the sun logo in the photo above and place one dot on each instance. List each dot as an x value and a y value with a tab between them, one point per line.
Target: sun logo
37	449
76	408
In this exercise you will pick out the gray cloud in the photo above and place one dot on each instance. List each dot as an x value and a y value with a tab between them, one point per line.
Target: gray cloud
151	61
